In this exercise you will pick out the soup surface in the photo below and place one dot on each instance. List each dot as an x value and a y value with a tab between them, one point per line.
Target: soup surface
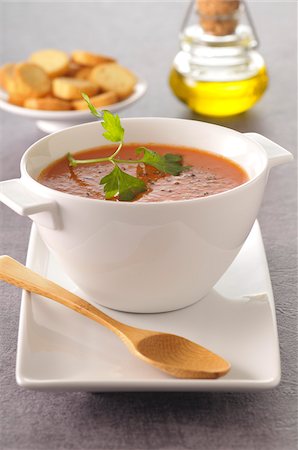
209	174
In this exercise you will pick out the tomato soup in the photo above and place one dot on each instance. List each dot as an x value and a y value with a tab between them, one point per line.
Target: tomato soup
208	174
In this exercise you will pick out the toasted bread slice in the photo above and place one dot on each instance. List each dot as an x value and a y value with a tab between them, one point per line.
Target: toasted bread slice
54	62
83	73
72	69
48	104
90	59
16	100
6	72
105	99
113	77
72	88
28	80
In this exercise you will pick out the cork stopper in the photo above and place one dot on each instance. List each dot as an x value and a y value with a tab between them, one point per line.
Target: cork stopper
218	17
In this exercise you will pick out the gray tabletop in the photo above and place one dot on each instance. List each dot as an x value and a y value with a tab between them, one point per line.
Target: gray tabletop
143	35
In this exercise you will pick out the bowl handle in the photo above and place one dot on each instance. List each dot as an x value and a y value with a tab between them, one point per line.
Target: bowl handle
16	195
276	154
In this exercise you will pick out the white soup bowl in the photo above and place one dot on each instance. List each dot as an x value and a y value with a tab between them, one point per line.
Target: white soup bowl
145	257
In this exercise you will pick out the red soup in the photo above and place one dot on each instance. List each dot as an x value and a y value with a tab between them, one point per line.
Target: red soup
208	174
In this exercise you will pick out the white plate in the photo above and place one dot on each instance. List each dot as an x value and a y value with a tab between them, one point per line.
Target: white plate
50	121
60	350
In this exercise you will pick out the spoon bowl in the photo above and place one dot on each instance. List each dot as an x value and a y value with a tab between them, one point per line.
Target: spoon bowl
181	357
170	353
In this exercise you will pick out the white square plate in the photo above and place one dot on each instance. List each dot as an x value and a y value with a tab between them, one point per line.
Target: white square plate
60	350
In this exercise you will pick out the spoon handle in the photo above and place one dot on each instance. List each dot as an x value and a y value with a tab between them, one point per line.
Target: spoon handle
21	276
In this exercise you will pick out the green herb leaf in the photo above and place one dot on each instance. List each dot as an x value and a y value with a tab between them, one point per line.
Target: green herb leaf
168	163
92	108
125	186
173	158
111	123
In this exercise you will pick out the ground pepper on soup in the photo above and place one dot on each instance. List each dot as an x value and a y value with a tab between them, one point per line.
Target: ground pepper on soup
208	174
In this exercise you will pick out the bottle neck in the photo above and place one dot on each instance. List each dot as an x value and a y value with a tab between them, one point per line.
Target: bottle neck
205	57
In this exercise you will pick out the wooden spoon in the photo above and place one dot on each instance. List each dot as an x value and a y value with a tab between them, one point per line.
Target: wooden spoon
170	353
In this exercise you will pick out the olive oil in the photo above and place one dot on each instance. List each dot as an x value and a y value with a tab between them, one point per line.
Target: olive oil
219	98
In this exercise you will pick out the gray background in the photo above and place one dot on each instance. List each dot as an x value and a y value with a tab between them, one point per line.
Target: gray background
143	35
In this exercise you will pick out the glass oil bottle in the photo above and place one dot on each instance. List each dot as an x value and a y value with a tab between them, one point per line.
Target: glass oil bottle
218	71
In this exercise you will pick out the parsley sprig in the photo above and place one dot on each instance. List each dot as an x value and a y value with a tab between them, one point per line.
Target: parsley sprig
118	183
